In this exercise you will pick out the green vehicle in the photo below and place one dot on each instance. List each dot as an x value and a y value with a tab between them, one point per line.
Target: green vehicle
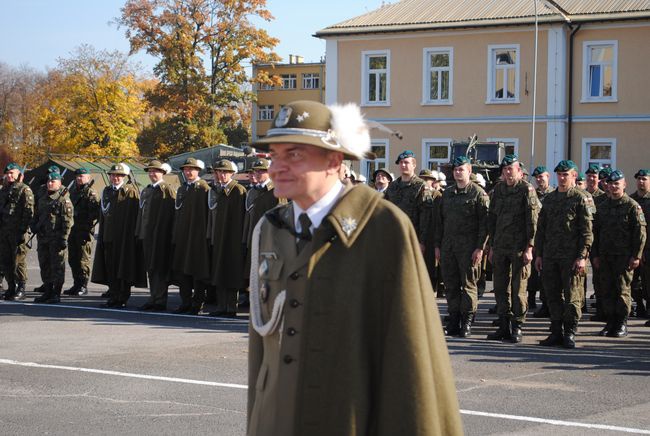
485	157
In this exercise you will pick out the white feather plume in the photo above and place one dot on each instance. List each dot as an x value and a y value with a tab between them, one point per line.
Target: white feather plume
127	170
200	164
350	129
166	168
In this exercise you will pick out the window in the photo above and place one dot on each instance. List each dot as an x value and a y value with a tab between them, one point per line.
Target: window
438	75
601	151
265	113
503	74
599	71
435	151
288	81
380	148
375	80
310	81
265	87
511	144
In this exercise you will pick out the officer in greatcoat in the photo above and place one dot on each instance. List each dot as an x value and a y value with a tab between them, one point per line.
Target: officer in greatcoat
154	230
340	344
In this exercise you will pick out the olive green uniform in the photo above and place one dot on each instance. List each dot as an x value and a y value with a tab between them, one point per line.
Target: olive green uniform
431	202
462	229
53	223
534	283
619	235
85	202
564	234
598	195
16	213
512	225
408	196
640	284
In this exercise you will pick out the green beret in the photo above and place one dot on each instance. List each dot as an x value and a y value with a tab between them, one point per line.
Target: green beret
461	160
53	169
581	177
81	170
615	176
12	166
541	169
593	169
54	176
642	173
604	173
565	165
509	159
404	155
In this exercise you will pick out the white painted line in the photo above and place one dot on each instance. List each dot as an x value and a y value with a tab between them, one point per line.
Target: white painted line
138	312
123	374
556	422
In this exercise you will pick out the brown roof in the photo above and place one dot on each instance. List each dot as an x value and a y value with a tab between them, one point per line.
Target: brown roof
436	14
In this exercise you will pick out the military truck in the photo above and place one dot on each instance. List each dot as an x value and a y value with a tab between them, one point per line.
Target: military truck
485	157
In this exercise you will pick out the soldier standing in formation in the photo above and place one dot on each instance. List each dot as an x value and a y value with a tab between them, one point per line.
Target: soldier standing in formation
118	258
535	283
642	273
431	200
154	231
618	247
226	201
16	212
461	234
512	222
593	188
564	237
53	223
86	208
191	261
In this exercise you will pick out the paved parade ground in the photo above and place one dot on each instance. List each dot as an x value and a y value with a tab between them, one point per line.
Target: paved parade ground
73	368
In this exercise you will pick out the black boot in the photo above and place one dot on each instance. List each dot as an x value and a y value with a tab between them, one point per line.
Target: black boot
47	292
453	326
40	289
10	292
608	327
20	291
569	339
83	287
516	334
556	337
55	295
72	290
619	329
641	311
542	312
503	332
466	325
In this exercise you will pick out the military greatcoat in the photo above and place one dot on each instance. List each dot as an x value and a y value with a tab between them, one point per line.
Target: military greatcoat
86	208
155	224
259	200
356	345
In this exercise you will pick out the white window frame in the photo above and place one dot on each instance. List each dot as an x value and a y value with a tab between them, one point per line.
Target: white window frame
425	151
265	87
265	110
291	79
312	79
586	48
491	74
364	162
586	142
426	75
365	56
513	141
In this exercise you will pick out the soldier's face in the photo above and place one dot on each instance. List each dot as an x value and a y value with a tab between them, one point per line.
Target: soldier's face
407	166
616	189
512	173
581	184
381	180
155	175
566	179
223	177
542	180
252	178
303	173
82	179
643	183
462	173
592	181
116	179
191	173
12	175
262	175
53	185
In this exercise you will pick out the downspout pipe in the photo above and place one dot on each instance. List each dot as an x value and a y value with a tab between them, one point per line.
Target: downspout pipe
569	129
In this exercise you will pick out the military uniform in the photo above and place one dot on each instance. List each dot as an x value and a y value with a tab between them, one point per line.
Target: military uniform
53	223
462	229
564	234
512	223
409	197
431	202
85	202
619	235
640	280
534	283
16	213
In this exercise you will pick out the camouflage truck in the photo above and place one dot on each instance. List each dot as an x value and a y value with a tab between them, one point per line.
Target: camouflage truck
485	158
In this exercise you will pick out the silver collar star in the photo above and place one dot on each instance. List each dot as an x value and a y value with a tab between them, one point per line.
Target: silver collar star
348	225
302	117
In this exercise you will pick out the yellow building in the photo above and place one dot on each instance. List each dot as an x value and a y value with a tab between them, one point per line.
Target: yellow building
300	81
442	70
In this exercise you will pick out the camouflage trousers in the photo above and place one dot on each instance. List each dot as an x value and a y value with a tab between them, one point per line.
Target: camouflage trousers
51	260
510	277
460	277
13	256
615	282
563	290
640	279
79	253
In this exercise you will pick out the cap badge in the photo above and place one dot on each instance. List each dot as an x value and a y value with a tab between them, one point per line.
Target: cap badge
283	116
302	117
348	225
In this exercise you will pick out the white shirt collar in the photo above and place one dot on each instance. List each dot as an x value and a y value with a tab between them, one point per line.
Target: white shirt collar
317	211
157	183
118	186
264	183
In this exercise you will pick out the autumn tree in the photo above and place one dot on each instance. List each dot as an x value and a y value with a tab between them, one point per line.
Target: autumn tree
203	47
91	104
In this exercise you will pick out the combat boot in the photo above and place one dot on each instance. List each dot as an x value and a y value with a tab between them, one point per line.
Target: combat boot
20	291
542	312
466	320
516	334
503	332
619	329
55	295
73	290
46	294
556	337
453	326
40	289
569	339
83	287
10	292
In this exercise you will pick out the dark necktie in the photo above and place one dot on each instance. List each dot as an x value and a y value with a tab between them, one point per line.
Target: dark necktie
305	235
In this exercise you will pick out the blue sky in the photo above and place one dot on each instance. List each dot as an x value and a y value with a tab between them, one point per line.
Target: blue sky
37	32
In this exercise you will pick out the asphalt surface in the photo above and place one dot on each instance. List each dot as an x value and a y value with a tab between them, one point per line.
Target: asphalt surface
73	368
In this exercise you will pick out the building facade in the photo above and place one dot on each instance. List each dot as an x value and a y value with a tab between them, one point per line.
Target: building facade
439	73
